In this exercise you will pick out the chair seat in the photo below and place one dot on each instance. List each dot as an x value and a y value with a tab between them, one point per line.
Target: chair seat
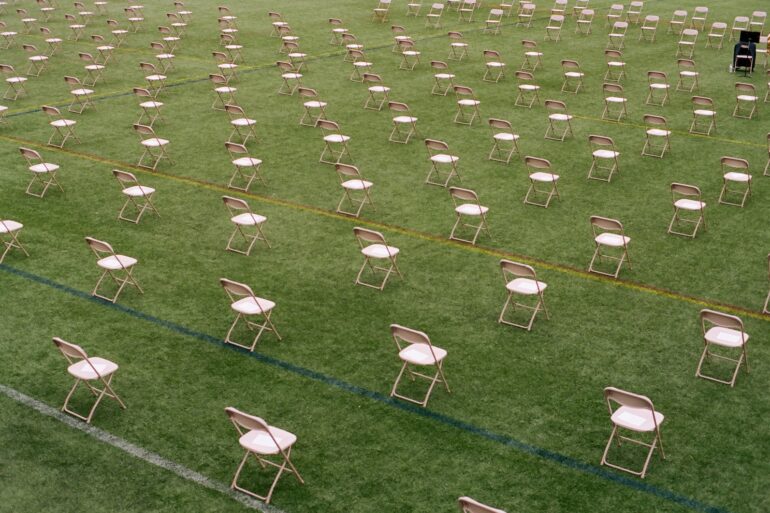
471	209
560	117
356	185
94	67
605	154
291	76
726	337
747	98
616	99
3	108
63	122
380	251
443	158
248	219
225	90
702	112
657	132
688	204
239	47
38	58
105	48
119	32
297	55
82	370
336	138
734	176
495	64
574	74
138	191
612	239
444	76
251	306
151	105
16	80
165	56
8	226
525	286
246	162
505	136
339	30
54	40
659	86
82	92
404	119
533	54
468	102
114	262
43	168
419	354
688	73
529	87
636	419
459	45
616	64
410	53
262	443
314	104
154	142
243	122
362	64
379	89
544	177
155	77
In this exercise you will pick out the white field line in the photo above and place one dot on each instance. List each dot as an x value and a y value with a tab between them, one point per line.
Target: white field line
137	451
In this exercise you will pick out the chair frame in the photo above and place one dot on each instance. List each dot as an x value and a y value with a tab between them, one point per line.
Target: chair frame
236	291
124	178
62	128
254	163
237	207
536	167
527	90
462	196
515	270
495	67
9	238
443	81
695	126
740	166
330	155
83	99
397	134
598	143
437	157
155	155
366	238
466	94
723	322
691	193
100	249
407	337
606	225
558	114
33	158
499	153
657	81
348	173
573	76
309	118
747	90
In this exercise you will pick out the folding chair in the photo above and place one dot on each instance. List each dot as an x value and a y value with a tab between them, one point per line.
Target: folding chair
150	107
468	505
381	11
54	43
105	51
413	8
337	31
611	244
43	173
688	210
355	190
559	7
527	90
361	66
225	93
467	106
15	83
404	124
291	79
134	17
119	268
604	156
8	35
553	28
433	18
233	49
375	249
466	10
226	17
262	441
757	21
505	142
101	7
88	370
617	36
410	56
634	12
45	8
746	100
698	20
723	332
442	163
657	136
314	109
177	23
634	413
458	47
153	146
63	129
416	350
137	196
540	174
736	180
93	70
164	57
688	76
118	34
495	67
226	66
559	121
246	305
494	21
77	28
615	13
716	35
521	280
686	46
155	81
37	61
335	143
573	76
579	6
740	23
467	207
649	28
287	36
704	117
246	167
616	66
243	127
443	80
276	20
377	92
9	233
658	88
532	56
614	102
525	15
584	21
351	43
248	225
172	41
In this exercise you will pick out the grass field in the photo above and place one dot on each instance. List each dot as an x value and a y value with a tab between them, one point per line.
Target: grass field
525	424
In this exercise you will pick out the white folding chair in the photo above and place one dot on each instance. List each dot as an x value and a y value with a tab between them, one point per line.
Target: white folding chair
247	306
688	75
740	23
37	61
649	28
527	90
505	141
410	56
617	36
138	197
658	87
467	106
313	108
226	66
415	350
540	176
9	233
722	333
360	65
355	190
521	281
533	58
150	107
154	148
699	15
746	100
380	12
688	210
404	124
443	80
248	226
716	35
525	15
495	67
494	21
63	129
118	34
93	69
247	168
335	143
615	13
377	91
467	207
77	28
458	47
337	31
291	80
584	21
375	249
704	116
573	76
604	158
614	102
657	136
433	17
559	121
466	10
611	244
736	181
119	268
82	97
553	28
616	66
634	12
43	173
105	51
686	45
164	57
156	81
243	126
225	93
15	83
443	164
54	43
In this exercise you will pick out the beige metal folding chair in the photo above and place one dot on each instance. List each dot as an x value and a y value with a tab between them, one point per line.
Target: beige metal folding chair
351	43
611	244
243	126
118	268
247	168
276	20
542	182
604	157
337	30
573	76
150	107
616	66
658	88
466	10
505	141
265	443
415	350
313	108
736	181
433	17
172	41
361	66
248	225
380	12
746	100
657	136
226	17
704	116
634	12
81	97
375	249
247	306
559	7
467	106
716	35
525	15
138	197
43	173
688	210
688	75
9	233
533	58
377	91
687	41
413	8
225	93
757	21
443	164
495	67
105	50
521	280
723	332
134	17
54	43
8	35
63	129
494	21
553	28
649	28
15	83
164	57
584	21
291	80
634	413
154	148
614	102
458	47
559	121
443	80
617	36
93	69
77	28
155	81
615	13
468	505
233	49
740	23
355	190
118	34
335	143
467	207
226	66
404	124
699	15
579	6
527	89
410	56
88	370
399	34
37	61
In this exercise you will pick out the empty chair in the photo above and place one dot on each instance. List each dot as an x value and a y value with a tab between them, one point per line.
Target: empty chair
615	13
443	80
433	17
233	49
410	56
138	197
266	443
604	157
757	21
723	334
415	350
351	43
225	65
617	36
704	116
611	244
542	182
134	17
469	213
375	249
525	15
164	57
736	181
94	372
313	108
154	148
377	91
380	12
466	10
468	505
104	50
150	107
248	226
413	8
688	210
746	100
677	22
355	190
63	129
614	102
616	66
361	66
573	76
553	28
291	80
43	173
658	87
559	7
77	28
467	106
15	83
404	124
740	23
337	30
698	19
443	164
246	167
8	35
37	61
649	28
458	48
634	12
657	136
767	166
155	81
399	34
9	236
584	22
495	67
494	21
276	20
93	69
527	90
172	41
716	35
637	414
532	56
688	75
54	42
505	141
335	143
525	293
579	6
686	46
255	312
118	34
225	93
119	268
559	121
243	126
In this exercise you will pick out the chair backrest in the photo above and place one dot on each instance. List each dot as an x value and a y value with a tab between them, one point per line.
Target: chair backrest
144	130
734	163
148	67
236	148
87	57
51	111
468	505
679	190
457	36
524	76
366	236
496	14
650	21
655	120
718	28
70	350
741	22
619	27
600	140
29	48
613	55
702	101
570	65
586	15
356	55
491	55
555	105
689	35
463	91
96	38
398	107
371	78
439	65
234	110
124	177
408	335
629	399
235	203
244	421
528	44
235	289
30	154
405	45
307	92
217	79
685	64
325	124
556	20
142	93
72	81
657	77
99	246
502	124
606	224
700	12
721	319
435	145
221	57
517	269
537	163
460	194
349	38
743	87
397	30
275	16
347	172
155	45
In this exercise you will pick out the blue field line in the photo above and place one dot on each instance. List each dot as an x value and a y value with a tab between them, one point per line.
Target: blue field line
539	452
